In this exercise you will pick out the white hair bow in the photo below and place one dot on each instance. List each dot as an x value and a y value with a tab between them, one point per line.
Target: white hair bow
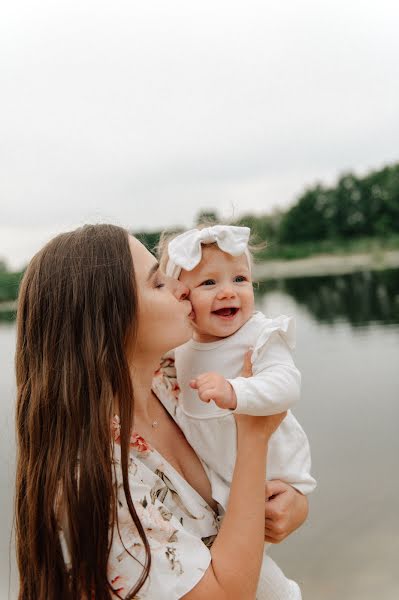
185	250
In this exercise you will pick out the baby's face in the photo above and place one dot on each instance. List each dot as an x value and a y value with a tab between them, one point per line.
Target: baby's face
221	294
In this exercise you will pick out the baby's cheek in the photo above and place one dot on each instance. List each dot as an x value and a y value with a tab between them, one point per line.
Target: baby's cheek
195	300
250	299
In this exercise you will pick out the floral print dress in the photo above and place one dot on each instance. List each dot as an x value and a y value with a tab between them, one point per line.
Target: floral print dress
179	524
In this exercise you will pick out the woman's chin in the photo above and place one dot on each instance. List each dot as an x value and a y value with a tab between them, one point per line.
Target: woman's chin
186	334
190	327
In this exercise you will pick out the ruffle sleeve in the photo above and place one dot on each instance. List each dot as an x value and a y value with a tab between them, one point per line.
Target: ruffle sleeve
275	382
282	325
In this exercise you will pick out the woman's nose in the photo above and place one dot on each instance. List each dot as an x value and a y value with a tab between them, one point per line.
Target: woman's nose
182	291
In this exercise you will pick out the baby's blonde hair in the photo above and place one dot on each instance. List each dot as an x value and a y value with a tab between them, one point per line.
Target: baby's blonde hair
161	249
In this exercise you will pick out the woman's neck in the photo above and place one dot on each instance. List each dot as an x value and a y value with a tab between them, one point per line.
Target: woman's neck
142	374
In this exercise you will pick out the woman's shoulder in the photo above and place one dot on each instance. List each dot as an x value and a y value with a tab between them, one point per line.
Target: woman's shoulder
165	385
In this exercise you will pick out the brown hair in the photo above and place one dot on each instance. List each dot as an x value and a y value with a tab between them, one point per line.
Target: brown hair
77	318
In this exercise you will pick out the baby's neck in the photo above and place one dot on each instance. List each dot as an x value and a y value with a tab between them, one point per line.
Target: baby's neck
207	338
204	337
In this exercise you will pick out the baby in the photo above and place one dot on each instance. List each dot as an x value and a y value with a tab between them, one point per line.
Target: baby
215	264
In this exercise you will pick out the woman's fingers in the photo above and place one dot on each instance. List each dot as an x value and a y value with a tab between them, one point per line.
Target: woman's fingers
272	539
285	510
246	370
274	487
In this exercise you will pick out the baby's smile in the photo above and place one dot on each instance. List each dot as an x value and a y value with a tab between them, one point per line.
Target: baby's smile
226	313
221	294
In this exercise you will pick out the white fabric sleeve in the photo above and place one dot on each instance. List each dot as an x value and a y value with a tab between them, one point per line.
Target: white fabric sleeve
179	559
273	584
289	456
275	384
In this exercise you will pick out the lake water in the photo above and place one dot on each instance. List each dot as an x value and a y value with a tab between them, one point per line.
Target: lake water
348	351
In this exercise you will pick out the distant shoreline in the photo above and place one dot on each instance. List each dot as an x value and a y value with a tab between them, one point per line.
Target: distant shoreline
314	266
326	264
10	305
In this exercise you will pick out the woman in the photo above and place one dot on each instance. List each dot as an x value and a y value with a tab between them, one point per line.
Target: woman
111	500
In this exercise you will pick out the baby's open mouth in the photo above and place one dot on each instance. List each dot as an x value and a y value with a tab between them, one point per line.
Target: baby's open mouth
226	312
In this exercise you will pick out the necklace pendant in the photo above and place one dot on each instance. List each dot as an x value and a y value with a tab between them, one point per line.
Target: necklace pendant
154	424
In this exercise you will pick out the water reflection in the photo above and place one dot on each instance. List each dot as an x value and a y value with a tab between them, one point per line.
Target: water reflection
359	298
345	375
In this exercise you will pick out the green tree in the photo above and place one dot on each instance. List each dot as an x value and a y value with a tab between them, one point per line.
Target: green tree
264	228
206	216
307	219
9	284
356	207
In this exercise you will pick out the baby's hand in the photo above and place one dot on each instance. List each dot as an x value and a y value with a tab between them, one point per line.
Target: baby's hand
212	386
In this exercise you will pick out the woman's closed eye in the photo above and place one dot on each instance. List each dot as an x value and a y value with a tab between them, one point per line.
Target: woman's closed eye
158	283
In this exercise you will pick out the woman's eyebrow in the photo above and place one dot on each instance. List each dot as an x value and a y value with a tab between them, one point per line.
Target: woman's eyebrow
153	270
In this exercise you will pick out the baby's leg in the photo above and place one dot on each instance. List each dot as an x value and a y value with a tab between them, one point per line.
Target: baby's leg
274	585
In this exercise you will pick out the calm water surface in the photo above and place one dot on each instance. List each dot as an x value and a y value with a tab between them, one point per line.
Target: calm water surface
348	351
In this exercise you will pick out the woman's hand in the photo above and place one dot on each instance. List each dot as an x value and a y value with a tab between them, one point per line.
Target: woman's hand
285	510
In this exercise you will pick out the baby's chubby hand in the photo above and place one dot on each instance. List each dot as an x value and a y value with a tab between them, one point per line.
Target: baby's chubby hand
212	386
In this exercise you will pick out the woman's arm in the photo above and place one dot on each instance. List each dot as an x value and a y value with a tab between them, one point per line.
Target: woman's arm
238	549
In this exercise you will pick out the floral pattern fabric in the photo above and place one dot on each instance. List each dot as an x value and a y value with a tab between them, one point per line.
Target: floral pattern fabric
179	525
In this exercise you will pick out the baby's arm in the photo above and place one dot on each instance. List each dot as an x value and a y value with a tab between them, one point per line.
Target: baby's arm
273	388
275	384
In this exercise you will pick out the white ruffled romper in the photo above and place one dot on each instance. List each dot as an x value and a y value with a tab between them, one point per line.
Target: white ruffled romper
273	388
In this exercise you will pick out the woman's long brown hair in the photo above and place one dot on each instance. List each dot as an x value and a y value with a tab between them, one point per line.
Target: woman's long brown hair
77	318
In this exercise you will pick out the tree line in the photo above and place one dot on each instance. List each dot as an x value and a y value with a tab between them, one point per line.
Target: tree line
346	216
356	207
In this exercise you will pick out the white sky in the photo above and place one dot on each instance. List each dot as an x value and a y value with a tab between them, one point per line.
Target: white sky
143	113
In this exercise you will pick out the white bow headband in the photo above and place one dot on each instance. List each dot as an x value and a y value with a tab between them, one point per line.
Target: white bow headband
185	250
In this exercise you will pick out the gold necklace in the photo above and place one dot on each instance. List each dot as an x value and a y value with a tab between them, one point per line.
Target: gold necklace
155	423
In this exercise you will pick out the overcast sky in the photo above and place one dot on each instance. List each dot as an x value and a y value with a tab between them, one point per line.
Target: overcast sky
142	113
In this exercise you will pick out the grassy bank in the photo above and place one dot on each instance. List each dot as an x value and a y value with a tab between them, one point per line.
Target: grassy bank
320	265
341	247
